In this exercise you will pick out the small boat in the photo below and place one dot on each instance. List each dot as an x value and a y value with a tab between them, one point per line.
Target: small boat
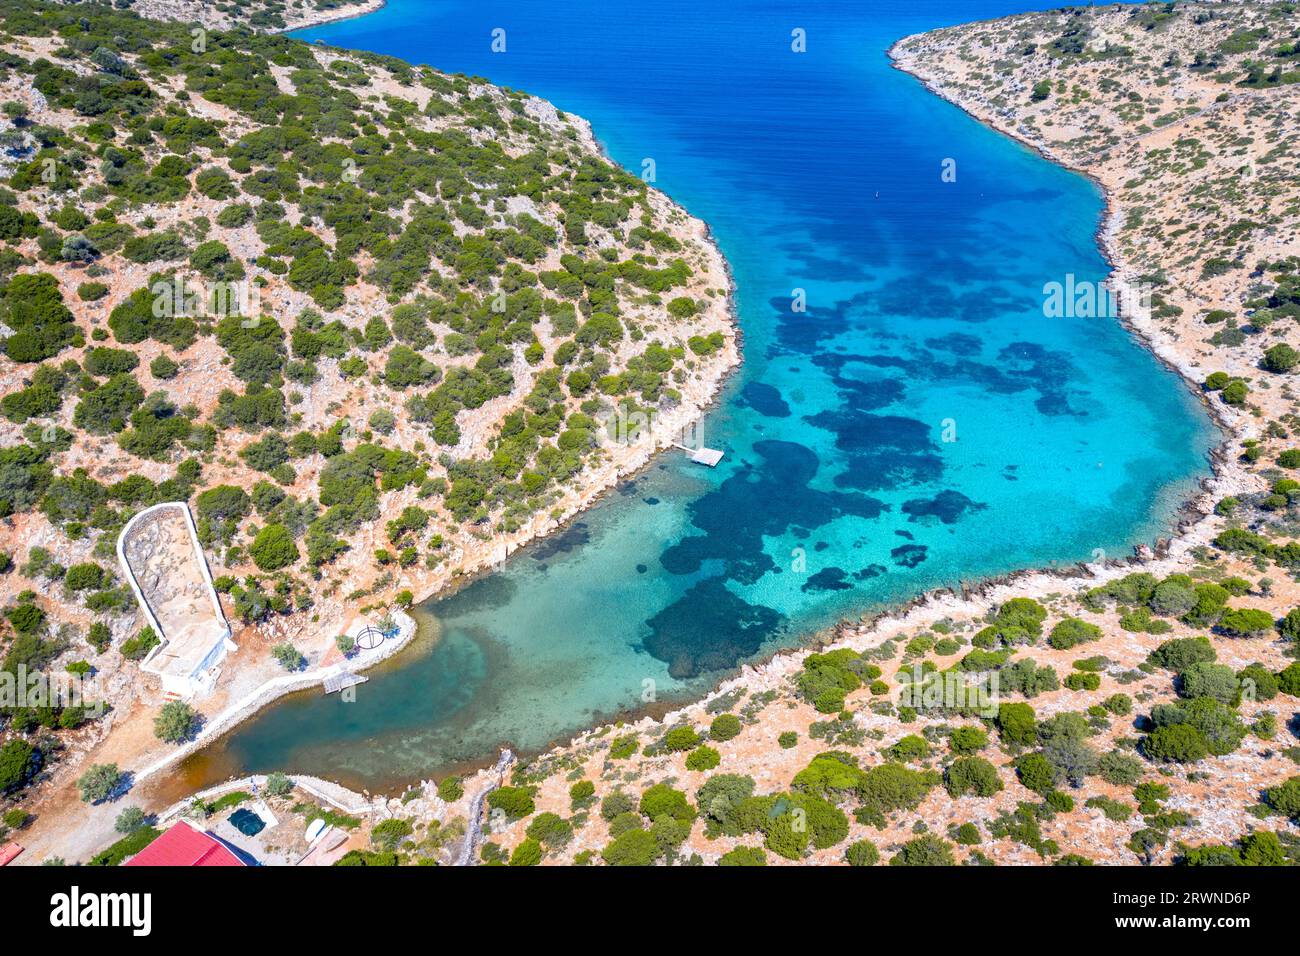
315	829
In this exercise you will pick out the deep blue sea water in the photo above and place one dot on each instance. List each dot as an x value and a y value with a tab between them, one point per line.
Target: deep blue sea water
818	171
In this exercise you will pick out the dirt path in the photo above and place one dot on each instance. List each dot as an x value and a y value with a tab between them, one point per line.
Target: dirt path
474	831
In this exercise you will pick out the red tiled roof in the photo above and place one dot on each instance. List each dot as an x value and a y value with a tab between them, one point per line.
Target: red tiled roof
182	845
9	852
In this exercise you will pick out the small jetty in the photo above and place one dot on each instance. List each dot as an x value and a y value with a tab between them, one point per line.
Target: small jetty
702	455
343	680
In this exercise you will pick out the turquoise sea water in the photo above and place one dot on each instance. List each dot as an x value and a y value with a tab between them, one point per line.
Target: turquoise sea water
818	171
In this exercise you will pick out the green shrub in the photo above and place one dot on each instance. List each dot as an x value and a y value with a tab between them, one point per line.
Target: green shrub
273	548
1285	797
175	722
1257	682
102	361
91	291
1205	679
1288	681
1059	802
1037	773
724	727
1121	705
137	648
1018	621
99	782
389	834
830	776
1263	848
130	820
1235	392
968	740
925	850
1016	724
891	787
971	775
1280	358
743	856
515	802
85	577
909	748
18	761
662	800
278	784
550	829
127	847
105	409
785	837
99	636
681	738
451	789
826	678
1083	681
1219	725
31	304
288	656
582	794
1289	626
527	853
621	748
1246	622
1180	653
632	848
163	368
1176	742
862	853
1072	631
1120	769
702	758
683	307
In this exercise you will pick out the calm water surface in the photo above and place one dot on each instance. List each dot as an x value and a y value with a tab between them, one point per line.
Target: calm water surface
838	494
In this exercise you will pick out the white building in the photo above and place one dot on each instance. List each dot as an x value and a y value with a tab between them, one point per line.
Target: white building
163	561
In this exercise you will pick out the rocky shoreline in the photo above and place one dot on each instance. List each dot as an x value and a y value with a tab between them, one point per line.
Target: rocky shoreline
1196	525
351	12
627	460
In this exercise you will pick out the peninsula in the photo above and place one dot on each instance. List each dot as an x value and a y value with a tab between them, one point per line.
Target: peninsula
375	324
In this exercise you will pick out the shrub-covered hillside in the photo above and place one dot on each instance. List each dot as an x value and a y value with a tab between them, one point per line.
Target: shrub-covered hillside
261	15
369	319
1188	114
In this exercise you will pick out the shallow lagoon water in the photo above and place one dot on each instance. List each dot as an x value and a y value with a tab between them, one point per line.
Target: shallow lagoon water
839	494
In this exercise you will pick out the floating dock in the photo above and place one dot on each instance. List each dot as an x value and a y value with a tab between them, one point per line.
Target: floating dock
702	456
337	682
